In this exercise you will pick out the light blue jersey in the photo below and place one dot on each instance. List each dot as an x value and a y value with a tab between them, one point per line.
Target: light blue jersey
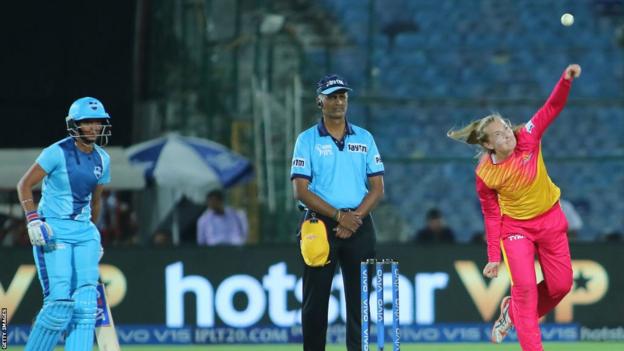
72	176
338	170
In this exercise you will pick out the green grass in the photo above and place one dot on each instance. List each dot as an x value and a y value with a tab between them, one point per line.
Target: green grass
406	347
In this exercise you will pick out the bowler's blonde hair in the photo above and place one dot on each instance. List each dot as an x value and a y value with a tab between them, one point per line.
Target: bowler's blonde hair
474	133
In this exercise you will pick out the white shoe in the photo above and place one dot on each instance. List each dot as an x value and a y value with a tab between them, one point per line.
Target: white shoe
503	324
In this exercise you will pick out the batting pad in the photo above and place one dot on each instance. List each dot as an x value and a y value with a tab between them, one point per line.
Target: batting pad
82	326
51	322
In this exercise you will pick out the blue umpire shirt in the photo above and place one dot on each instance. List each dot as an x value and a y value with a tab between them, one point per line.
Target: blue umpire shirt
338	170
72	176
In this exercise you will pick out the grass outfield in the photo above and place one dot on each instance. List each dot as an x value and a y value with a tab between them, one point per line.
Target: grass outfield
407	347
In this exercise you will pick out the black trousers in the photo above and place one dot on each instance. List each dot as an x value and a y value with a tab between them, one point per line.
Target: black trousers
317	283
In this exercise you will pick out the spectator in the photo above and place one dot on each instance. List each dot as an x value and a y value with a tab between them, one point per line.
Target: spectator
117	221
435	232
221	225
127	223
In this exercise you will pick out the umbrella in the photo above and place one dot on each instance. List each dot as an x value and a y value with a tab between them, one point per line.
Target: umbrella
189	163
189	166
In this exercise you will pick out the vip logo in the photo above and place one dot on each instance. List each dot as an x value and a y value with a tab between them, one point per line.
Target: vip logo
97	171
591	283
529	127
324	149
298	162
361	148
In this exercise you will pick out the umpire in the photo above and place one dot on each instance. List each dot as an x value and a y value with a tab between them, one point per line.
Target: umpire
337	174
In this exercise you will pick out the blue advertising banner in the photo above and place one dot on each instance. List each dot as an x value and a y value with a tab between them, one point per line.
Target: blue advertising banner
437	333
209	295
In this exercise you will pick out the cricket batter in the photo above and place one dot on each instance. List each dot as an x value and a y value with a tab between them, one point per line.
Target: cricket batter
337	173
520	205
66	243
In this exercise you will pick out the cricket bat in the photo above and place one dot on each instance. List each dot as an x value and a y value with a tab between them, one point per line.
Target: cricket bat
104	326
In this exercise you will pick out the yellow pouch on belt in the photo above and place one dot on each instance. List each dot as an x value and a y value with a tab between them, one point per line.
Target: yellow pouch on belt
314	244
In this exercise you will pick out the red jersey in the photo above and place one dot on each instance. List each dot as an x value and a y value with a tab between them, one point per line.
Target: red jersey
519	187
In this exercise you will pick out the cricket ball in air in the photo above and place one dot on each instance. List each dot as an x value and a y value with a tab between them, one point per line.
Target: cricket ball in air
567	19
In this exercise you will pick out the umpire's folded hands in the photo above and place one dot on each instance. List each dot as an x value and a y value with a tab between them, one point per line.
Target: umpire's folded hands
350	220
342	232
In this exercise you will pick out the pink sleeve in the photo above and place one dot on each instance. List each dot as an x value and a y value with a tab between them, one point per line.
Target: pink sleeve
551	109
492	218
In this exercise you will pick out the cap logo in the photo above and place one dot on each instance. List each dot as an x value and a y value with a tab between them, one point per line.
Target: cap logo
331	83
335	81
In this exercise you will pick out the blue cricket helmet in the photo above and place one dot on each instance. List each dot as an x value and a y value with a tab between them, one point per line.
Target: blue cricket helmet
87	108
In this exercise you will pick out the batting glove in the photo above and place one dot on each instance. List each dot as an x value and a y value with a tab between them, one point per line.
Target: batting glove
39	232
